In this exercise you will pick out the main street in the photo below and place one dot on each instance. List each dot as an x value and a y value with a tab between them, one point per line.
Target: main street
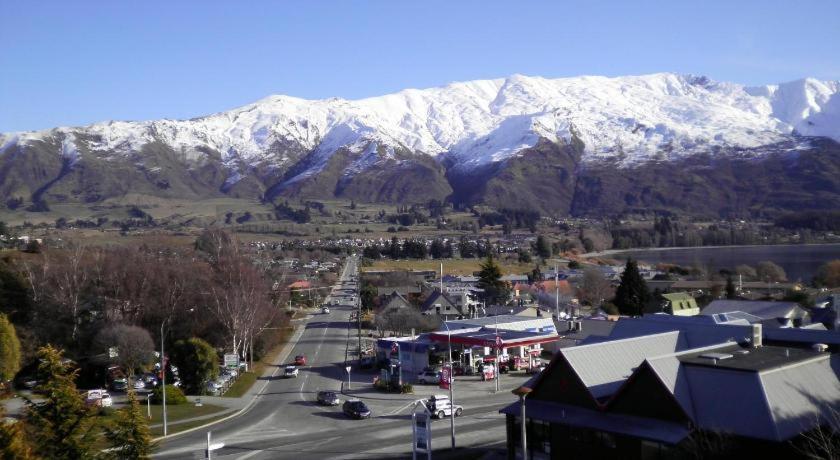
285	421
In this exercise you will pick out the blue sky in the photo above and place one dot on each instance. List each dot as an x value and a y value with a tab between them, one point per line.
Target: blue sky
73	63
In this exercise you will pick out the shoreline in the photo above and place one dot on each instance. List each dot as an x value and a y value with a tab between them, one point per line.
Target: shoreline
609	252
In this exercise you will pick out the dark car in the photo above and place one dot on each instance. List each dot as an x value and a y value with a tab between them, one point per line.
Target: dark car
356	409
328	398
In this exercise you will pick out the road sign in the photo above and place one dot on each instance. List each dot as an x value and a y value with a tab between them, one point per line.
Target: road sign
348	369
445	377
231	360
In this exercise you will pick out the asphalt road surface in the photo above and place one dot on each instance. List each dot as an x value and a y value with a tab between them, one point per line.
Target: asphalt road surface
285	421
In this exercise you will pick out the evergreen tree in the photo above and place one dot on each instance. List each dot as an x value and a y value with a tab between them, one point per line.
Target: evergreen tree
495	290
129	436
197	363
9	350
632	294
542	247
60	425
536	274
13	444
730	289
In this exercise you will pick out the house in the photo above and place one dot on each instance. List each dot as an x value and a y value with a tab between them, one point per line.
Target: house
394	301
654	396
680	304
444	306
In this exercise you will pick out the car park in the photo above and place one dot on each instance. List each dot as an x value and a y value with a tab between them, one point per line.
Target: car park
328	398
300	360
119	384
214	388
290	371
440	406
355	409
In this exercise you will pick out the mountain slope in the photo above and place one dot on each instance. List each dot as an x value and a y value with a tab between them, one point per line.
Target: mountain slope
546	144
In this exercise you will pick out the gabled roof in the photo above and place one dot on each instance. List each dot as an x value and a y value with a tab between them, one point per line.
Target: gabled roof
438	298
616	360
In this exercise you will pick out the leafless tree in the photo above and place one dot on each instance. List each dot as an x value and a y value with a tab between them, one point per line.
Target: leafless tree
133	345
823	441
594	288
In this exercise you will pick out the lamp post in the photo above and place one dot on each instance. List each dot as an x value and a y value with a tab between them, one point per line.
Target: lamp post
163	374
451	381
522	392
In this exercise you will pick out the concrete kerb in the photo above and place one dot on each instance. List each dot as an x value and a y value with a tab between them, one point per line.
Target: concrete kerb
281	358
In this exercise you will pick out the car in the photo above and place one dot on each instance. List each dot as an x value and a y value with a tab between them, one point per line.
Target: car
150	379
328	398
214	388
120	384
440	406
98	398
355	408
300	360
231	371
536	369
139	384
325	310
428	376
291	371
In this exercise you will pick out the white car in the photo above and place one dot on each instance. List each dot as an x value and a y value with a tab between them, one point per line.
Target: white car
428	376
291	371
139	384
440	406
325	310
98	398
214	388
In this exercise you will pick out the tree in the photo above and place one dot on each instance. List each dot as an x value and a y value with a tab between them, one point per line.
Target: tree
13	443
536	274
632	294
828	275
367	295
495	291
730	289
197	363
594	288
769	271
133	344
9	350
542	247
60	425
746	271
129	435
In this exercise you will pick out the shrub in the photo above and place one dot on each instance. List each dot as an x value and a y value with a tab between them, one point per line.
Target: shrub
174	395
406	388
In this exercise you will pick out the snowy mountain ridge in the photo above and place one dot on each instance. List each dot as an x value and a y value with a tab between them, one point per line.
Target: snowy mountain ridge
631	120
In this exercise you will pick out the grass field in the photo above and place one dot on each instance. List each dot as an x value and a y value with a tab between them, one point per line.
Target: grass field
450	266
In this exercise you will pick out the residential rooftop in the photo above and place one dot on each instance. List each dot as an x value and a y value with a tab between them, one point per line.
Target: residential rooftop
758	359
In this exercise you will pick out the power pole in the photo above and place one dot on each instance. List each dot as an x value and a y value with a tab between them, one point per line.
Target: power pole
556	292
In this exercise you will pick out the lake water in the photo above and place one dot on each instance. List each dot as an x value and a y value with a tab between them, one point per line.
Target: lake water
799	261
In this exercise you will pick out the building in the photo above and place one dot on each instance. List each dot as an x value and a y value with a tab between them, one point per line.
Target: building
785	314
680	304
443	305
657	396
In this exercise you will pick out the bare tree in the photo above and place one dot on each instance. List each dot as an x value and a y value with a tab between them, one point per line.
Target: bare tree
823	441
594	288
133	345
769	271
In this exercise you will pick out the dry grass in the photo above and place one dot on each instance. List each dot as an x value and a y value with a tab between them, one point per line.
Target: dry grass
450	266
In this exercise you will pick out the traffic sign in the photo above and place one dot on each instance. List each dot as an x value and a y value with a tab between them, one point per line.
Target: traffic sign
231	360
347	368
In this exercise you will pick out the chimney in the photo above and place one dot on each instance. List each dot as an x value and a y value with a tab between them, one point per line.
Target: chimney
756	341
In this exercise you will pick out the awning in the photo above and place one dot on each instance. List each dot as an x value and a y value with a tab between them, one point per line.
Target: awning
610	422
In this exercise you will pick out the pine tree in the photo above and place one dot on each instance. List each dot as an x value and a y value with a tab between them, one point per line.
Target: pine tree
130	437
60	425
13	444
542	247
9	350
632	294
495	290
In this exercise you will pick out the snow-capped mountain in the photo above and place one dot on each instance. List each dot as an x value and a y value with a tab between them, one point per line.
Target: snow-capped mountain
464	129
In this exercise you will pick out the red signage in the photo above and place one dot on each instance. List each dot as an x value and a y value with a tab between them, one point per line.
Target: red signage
445	377
498	342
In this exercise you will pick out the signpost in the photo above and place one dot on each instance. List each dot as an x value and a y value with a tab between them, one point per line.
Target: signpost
421	429
445	377
211	447
232	361
348	375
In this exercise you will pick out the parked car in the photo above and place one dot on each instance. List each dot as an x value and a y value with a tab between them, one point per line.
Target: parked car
231	371
355	409
120	384
98	398
214	388
440	406
328	398
300	360
139	384
291	371
428	376
150	379
325	310
536	369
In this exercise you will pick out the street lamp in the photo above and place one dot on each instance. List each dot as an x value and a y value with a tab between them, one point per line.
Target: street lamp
522	392
451	381
163	369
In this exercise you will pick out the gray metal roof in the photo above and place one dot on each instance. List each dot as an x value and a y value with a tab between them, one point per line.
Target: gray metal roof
762	309
697	331
604	366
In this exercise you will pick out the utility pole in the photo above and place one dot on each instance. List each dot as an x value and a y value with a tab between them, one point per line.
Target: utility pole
441	277
556	292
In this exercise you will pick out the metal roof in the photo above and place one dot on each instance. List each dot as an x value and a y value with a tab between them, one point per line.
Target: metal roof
697	331
604	366
762	309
